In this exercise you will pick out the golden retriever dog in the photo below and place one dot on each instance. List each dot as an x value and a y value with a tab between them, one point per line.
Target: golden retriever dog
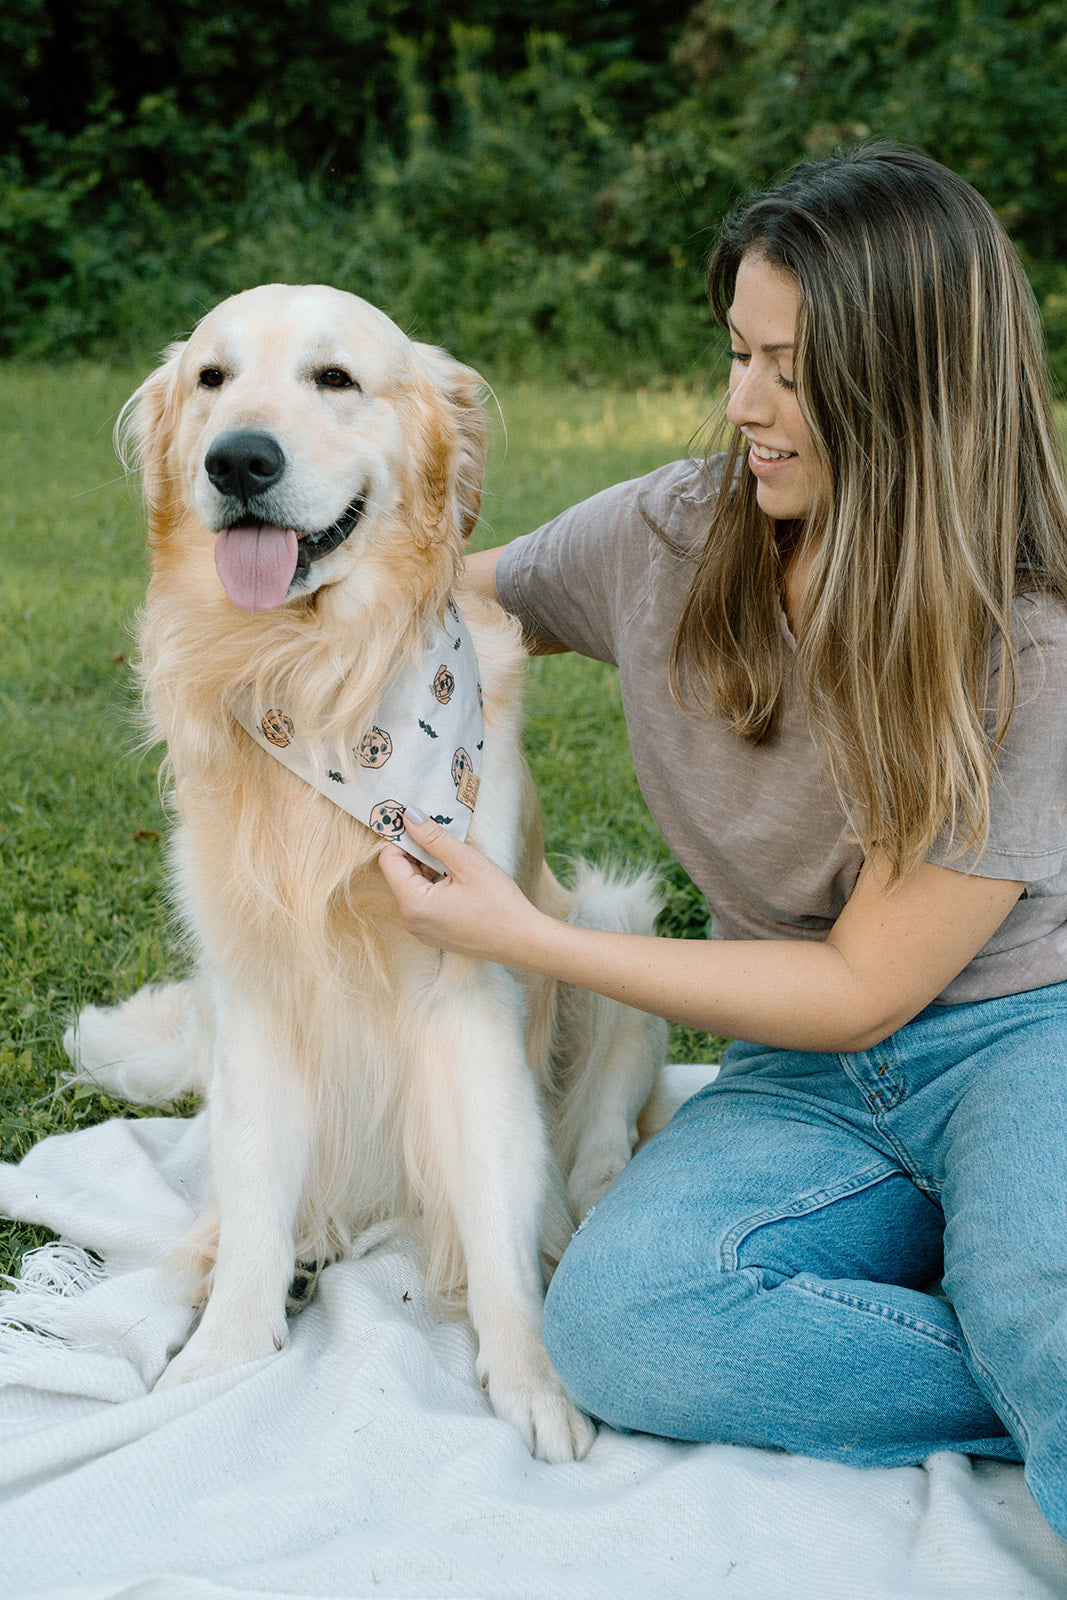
310	476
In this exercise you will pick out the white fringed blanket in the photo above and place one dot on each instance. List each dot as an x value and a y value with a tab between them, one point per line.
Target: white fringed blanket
363	1460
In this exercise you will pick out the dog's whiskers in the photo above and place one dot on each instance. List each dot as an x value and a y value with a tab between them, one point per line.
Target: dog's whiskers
500	413
96	487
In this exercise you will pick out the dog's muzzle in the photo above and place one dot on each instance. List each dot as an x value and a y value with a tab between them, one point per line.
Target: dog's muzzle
259	555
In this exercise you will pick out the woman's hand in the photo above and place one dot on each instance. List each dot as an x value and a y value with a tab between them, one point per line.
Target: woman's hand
477	910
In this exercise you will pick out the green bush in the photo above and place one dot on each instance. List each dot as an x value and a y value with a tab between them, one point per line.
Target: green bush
540	201
979	84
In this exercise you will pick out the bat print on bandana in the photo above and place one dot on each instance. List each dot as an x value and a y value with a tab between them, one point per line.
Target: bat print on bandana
278	728
375	748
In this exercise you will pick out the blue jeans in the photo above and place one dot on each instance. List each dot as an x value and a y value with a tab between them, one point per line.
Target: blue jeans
756	1275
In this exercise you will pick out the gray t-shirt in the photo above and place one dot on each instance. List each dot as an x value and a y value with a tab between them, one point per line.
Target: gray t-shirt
759	828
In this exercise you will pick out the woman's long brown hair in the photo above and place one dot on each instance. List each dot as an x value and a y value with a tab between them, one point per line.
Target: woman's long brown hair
920	373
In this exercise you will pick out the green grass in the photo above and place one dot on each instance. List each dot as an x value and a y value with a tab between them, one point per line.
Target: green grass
82	897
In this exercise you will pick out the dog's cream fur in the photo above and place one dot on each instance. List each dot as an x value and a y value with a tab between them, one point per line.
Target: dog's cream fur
351	1074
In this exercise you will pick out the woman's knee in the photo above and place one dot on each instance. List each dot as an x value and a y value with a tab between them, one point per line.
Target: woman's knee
614	1322
582	1305
592	1315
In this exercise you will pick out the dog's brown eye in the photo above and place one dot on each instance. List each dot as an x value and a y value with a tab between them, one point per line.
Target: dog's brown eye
211	377
335	378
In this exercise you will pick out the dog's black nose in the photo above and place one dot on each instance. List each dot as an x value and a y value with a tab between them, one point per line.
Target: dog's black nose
244	463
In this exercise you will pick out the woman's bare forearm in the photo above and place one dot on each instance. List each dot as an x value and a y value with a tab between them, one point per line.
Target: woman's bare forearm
777	992
890	953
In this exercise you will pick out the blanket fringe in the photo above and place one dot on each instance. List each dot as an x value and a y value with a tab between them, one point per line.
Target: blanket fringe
36	1306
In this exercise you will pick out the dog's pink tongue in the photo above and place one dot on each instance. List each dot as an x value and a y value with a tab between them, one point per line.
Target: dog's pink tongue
256	565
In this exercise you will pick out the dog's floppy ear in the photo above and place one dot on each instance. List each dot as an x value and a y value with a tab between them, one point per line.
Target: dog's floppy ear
454	460
145	428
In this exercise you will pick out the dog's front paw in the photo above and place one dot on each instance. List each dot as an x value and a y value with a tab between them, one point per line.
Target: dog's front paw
552	1427
210	1352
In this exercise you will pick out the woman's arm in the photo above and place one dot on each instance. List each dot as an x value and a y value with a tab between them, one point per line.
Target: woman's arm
479	570
887	956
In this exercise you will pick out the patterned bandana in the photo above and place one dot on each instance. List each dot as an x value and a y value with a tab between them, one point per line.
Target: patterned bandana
423	748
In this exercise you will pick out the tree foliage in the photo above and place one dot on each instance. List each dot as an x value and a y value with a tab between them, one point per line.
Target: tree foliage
534	185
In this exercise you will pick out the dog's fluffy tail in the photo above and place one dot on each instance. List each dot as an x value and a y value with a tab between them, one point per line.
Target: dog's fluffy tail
154	1047
614	899
607	1055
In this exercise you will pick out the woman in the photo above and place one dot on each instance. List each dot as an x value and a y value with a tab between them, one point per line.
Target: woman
846	704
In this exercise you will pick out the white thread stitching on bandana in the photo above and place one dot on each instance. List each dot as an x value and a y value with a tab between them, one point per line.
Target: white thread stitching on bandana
423	746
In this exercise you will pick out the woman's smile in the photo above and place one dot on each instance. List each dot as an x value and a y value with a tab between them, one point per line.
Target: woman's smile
765	462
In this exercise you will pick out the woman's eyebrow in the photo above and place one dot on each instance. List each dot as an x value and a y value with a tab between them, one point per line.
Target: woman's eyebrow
766	349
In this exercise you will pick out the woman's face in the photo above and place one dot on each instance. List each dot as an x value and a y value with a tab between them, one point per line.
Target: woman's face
763	403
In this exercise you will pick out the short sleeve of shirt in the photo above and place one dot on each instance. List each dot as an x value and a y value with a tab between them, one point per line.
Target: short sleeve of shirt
1028	792
579	579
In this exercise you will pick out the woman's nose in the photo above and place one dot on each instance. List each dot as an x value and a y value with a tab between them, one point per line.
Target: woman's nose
751	399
